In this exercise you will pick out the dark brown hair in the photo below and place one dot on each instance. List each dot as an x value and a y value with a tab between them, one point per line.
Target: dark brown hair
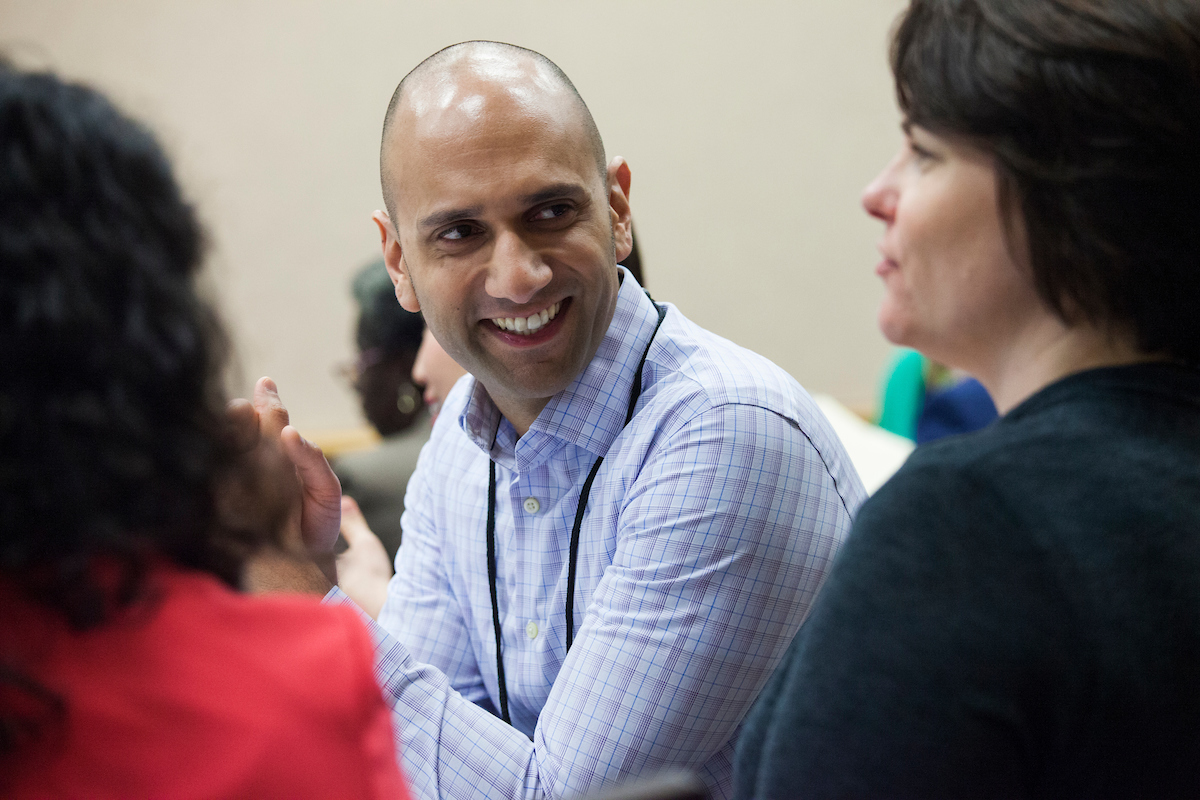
1091	109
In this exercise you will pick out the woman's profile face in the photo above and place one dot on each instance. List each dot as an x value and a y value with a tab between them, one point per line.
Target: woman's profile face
952	287
436	371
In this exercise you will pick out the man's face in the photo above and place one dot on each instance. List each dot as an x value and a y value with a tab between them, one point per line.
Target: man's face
506	236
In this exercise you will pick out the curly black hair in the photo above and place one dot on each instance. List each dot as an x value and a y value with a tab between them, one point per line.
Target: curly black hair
112	421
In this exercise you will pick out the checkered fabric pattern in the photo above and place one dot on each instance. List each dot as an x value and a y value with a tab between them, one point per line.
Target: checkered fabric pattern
709	529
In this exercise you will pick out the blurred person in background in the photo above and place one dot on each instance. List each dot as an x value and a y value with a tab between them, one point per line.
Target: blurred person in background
131	510
924	401
436	372
375	480
388	340
1016	613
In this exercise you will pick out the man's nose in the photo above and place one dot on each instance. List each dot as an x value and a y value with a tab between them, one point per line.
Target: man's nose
517	271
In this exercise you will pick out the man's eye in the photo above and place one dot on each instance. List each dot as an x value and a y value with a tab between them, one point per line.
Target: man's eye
553	211
457	233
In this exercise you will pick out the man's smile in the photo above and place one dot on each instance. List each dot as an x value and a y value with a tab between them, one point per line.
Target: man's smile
531	330
529	324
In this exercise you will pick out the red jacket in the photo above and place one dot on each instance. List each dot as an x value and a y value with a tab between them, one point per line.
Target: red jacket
204	693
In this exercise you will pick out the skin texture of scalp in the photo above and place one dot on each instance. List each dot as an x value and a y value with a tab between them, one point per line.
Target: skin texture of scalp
443	59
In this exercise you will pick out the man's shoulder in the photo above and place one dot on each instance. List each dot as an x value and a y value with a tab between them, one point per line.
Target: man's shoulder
690	360
694	371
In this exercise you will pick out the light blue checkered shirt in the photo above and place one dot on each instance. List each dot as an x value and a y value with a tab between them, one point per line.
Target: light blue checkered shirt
710	527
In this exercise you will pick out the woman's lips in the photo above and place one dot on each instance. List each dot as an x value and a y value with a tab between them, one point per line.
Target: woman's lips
434	404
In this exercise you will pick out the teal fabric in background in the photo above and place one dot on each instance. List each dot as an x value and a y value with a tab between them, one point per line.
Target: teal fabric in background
903	394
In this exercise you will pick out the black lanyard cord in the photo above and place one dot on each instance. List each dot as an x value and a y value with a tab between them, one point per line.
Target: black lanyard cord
584	493
635	392
491	557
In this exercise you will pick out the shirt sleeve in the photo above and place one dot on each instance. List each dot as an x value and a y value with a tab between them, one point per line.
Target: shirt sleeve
723	541
379	770
927	667
428	599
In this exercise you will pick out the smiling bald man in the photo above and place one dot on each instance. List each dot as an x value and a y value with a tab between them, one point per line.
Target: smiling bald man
621	519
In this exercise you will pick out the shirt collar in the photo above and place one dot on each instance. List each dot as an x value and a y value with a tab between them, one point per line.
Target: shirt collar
589	413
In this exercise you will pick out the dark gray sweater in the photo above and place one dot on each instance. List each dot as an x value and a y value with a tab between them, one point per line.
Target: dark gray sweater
1015	614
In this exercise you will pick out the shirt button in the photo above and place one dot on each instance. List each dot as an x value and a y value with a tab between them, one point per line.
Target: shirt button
532	506
531	628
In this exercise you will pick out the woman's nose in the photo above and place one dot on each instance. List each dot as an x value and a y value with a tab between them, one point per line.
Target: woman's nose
880	195
420	369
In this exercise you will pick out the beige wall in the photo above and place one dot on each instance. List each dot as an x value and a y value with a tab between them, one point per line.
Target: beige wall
750	128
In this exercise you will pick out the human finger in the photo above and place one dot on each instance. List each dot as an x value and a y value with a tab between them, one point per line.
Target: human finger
364	568
272	414
354	524
359	536
242	429
322	491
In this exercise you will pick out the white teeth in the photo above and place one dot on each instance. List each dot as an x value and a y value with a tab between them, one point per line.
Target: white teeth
527	325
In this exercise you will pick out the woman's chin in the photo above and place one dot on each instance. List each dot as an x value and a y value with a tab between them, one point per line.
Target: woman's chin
894	327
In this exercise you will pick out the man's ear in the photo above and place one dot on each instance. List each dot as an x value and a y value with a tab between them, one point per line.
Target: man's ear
393	259
618	204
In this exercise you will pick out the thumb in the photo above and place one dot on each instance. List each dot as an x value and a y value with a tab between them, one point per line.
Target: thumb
354	524
322	509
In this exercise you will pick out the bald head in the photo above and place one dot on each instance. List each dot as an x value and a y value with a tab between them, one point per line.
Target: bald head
466	79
